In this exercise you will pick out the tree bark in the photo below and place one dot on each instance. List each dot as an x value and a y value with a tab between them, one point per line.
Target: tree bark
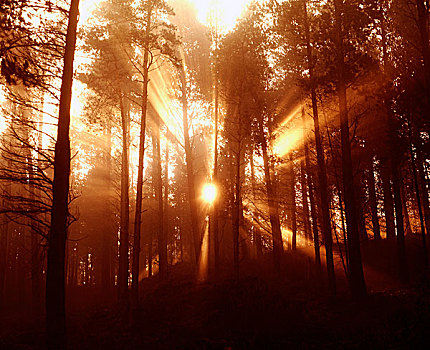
388	202
125	208
293	204
314	213
356	276
322	172
139	190
305	205
55	278
162	249
373	201
190	169
273	204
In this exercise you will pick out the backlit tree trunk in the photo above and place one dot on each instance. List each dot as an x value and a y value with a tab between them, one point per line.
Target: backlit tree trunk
322	172
139	190
125	207
190	169
356	276
55	277
273	204
373	201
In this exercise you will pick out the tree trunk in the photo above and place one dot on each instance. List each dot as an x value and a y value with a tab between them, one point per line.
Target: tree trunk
388	202
190	168
256	230
424	191
167	235
356	276
273	204
373	201
4	235
139	189
162	249
322	172
418	197
236	216
304	189
215	224
125	208
314	213
293	204
397	183
55	278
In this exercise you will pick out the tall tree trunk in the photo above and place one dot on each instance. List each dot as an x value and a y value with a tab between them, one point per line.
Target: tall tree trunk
423	27
418	197
162	248
256	230
314	213
423	190
293	204
388	202
360	200
4	235
273	204
190	168
139	189
304	189
407	221
236	215
107	239
216	202
322	172
123	270
373	201
356	276
167	235
55	277
401	249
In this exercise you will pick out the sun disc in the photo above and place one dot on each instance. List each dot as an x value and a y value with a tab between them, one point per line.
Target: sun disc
209	193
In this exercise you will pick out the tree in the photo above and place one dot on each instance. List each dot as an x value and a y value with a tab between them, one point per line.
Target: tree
55	279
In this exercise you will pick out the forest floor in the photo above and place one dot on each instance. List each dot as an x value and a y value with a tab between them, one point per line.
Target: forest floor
260	311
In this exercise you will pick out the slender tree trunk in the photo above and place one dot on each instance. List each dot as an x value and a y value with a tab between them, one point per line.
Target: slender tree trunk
108	235
356	276
293	204
418	196
422	184
304	189
256	231
190	169
162	249
139	189
322	172
388	202
215	172
55	278
167	235
314	213
423	27
273	205
407	221
360	201
373	201
4	235
397	183
236	215
123	271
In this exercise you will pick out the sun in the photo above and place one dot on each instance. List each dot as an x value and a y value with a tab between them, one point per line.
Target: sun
227	11
209	193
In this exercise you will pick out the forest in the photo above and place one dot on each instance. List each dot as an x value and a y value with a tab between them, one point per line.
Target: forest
184	174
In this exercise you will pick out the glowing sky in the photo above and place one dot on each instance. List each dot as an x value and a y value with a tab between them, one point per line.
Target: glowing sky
229	10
